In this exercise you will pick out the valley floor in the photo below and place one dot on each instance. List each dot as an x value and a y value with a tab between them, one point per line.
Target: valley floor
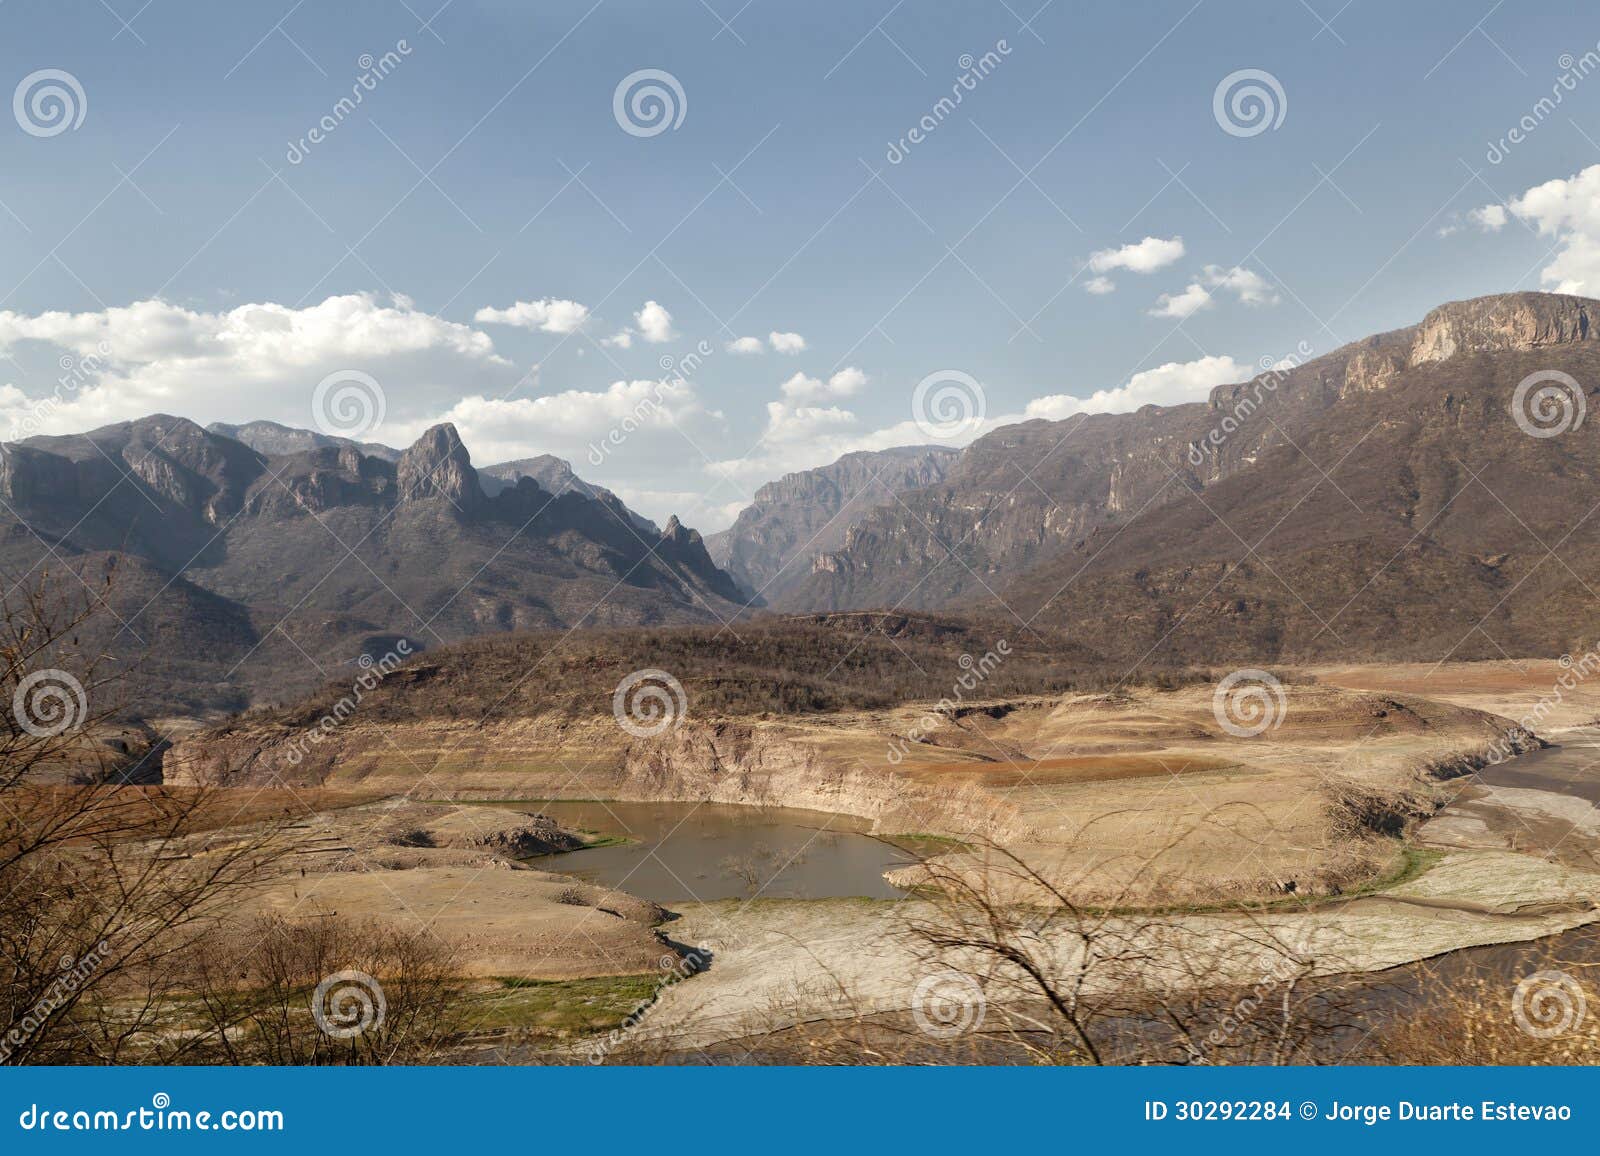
1378	824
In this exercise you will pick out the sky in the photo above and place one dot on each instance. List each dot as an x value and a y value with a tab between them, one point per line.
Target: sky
691	246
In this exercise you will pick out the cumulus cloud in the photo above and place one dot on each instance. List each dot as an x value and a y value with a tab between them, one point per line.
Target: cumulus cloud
1174	383
1248	286
548	314
1568	210
655	323
790	343
842	384
1490	218
500	428
745	345
1186	304
1144	256
622	339
259	360
1099	286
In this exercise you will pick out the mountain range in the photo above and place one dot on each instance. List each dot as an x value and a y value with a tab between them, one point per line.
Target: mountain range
1421	494
242	575
1385	500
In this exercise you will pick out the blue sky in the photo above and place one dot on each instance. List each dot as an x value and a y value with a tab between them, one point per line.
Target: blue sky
171	248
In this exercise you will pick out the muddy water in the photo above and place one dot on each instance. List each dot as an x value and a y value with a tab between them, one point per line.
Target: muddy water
681	852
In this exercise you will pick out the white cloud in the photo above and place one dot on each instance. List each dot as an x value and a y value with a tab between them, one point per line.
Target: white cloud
655	323
1249	286
1490	218
255	361
623	339
1144	256
790	343
1245	284
1568	210
1099	286
1185	304
842	384
1174	383
745	345
549	315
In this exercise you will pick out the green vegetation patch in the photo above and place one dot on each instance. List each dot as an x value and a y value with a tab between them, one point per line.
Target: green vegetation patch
561	1008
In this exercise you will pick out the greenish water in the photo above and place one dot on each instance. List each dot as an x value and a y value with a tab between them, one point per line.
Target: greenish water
682	852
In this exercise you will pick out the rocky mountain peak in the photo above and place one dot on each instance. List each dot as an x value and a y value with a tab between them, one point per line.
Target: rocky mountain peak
1505	321
437	465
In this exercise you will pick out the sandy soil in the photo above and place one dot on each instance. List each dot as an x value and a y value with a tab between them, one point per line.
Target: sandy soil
1090	785
1512	688
513	923
452	868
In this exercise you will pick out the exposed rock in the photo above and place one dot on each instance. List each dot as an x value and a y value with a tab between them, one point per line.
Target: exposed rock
795	521
437	465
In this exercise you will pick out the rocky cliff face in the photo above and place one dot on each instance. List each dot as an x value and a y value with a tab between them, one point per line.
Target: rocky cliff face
555	475
772	545
274	440
1507	322
437	465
